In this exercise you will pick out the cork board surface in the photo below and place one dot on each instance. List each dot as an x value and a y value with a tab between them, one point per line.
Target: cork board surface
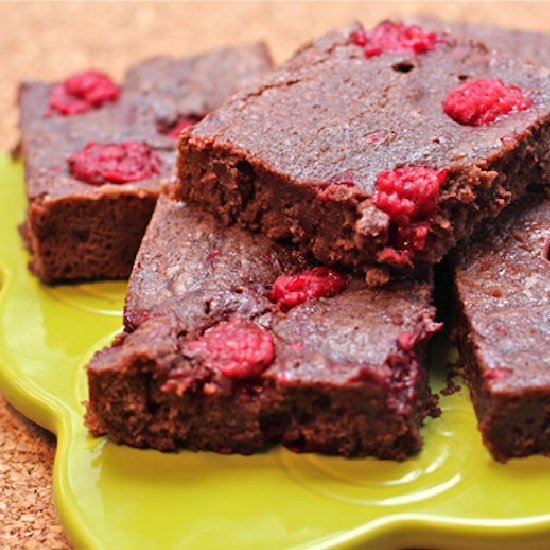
48	40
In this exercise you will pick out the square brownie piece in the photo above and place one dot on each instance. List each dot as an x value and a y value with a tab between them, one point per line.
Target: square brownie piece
375	148
502	284
95	154
235	342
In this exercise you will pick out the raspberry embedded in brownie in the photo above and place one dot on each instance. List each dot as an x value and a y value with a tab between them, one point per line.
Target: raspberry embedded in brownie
482	100
98	164
81	92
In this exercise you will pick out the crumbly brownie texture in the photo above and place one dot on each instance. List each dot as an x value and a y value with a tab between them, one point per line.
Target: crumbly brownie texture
80	231
502	283
341	375
299	156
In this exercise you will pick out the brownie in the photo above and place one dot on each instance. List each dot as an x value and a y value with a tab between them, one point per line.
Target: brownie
527	45
320	151
344	373
502	284
76	230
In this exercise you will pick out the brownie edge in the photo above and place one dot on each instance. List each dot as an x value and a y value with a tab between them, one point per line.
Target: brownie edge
502	286
312	174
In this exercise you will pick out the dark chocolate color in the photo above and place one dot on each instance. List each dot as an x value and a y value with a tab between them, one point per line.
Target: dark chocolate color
340	383
502	283
526	45
261	159
80	231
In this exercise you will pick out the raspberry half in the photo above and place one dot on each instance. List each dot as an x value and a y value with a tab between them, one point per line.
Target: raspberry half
394	38
98	164
81	92
481	101
292	290
238	348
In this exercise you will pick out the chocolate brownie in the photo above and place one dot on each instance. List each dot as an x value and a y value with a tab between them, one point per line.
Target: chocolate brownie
374	148
94	166
527	45
235	342
502	283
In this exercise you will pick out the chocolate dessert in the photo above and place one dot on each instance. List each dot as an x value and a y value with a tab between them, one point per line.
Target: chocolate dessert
381	147
502	282
235	342
95	154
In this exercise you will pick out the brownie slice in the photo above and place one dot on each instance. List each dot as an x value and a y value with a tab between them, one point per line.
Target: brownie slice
212	360
502	283
332	148
76	230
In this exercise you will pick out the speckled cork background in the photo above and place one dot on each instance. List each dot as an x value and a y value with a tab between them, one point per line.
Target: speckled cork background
48	40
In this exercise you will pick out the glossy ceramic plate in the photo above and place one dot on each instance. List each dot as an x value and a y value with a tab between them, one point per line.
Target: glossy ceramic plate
451	496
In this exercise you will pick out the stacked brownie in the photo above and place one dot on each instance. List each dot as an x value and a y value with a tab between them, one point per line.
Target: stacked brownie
289	298
95	154
502	285
238	342
374	149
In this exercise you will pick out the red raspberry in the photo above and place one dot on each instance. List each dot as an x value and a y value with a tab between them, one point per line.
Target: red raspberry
359	37
82	92
292	290
482	100
409	197
395	38
498	373
98	164
181	125
408	194
238	348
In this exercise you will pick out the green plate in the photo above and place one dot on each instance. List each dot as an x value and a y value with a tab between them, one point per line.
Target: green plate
451	496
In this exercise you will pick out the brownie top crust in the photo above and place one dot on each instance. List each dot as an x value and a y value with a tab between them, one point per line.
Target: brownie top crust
195	86
315	117
503	285
527	45
205	273
156	94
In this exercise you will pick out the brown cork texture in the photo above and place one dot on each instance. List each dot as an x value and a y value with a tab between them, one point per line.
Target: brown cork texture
49	40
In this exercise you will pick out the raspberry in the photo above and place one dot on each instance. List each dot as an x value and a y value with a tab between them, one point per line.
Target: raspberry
394	38
181	125
482	100
81	92
408	194
409	197
292	290
114	163
238	348
498	373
